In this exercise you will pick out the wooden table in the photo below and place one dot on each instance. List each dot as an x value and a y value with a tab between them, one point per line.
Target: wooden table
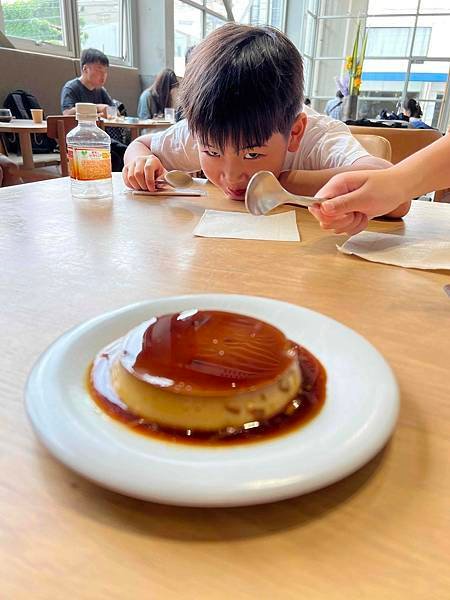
137	127
382	533
24	128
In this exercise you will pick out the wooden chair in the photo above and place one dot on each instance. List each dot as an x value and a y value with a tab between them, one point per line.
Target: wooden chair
404	141
58	126
375	145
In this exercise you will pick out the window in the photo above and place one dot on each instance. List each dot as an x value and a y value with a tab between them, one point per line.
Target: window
407	53
100	25
66	27
195	19
36	22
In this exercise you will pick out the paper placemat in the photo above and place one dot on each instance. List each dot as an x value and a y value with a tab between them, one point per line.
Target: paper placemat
399	250
281	227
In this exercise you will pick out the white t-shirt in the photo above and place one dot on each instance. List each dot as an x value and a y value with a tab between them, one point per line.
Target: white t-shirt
326	144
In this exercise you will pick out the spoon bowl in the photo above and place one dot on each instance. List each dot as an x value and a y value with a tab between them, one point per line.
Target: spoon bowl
178	179
265	192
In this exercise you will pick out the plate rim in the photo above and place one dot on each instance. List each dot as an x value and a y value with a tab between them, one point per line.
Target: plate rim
240	496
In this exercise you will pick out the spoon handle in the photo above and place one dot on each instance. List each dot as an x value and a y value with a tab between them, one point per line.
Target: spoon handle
302	200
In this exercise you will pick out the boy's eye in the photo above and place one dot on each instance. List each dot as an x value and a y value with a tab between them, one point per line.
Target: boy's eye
252	155
210	152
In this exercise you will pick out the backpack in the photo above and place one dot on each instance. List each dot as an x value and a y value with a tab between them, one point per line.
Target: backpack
20	104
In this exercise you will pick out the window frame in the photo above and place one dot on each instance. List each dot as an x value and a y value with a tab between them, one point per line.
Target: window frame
72	48
444	116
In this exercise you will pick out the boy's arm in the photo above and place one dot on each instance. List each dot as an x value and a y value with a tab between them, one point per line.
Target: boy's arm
139	147
308	183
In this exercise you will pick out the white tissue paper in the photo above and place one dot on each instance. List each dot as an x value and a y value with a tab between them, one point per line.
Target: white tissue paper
280	227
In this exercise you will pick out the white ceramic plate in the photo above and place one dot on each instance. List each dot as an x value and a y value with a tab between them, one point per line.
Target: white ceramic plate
358	416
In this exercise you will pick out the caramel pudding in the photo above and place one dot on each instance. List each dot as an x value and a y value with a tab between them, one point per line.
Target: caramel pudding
202	373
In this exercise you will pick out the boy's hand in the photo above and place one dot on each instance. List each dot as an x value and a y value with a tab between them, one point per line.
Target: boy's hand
356	197
142	172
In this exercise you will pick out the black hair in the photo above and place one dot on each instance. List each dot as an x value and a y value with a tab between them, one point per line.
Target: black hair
414	108
242	84
91	56
339	94
307	102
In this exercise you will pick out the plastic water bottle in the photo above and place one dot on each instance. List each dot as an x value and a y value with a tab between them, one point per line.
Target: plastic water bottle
89	153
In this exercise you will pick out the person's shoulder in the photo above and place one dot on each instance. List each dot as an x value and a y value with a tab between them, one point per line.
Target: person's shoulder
72	84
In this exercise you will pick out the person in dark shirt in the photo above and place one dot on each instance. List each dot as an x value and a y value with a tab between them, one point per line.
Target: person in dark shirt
89	86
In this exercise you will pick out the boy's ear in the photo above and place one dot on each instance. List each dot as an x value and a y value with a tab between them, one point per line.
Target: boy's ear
297	131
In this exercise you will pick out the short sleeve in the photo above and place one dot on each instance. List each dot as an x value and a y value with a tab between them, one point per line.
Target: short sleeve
326	144
176	148
68	98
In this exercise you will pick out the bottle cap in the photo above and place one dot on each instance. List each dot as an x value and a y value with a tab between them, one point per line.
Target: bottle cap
86	111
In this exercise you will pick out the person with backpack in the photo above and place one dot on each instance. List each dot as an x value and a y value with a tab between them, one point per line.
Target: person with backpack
333	107
89	87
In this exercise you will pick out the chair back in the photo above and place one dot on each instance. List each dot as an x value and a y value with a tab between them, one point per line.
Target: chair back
58	126
404	141
375	145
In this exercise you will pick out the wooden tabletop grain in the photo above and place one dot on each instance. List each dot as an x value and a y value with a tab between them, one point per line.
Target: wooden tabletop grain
383	532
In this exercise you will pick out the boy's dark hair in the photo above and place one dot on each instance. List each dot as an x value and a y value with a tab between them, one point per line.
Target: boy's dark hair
242	84
91	56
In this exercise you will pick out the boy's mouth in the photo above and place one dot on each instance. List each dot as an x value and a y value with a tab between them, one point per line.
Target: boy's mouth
236	193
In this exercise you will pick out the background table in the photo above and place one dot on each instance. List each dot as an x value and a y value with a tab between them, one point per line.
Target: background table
382	533
136	128
24	128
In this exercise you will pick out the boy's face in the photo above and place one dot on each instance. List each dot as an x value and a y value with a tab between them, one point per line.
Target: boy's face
232	170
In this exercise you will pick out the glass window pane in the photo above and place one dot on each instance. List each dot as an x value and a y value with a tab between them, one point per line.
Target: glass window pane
428	84
217	6
382	7
212	23
100	26
371	107
40	20
258	12
386	77
326	71
331	8
188	27
434	6
438	41
336	37
390	36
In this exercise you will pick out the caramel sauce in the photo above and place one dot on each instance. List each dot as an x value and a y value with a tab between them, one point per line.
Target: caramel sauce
207	352
303	408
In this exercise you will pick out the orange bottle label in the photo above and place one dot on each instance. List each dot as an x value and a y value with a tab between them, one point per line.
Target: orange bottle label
88	164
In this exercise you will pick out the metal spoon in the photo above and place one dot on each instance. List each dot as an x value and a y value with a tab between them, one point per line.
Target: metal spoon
178	179
265	192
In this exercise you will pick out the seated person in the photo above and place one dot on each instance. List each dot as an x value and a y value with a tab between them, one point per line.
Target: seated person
412	112
334	106
89	88
242	96
9	172
163	93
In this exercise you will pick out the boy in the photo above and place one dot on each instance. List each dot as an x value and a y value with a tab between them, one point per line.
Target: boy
242	98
